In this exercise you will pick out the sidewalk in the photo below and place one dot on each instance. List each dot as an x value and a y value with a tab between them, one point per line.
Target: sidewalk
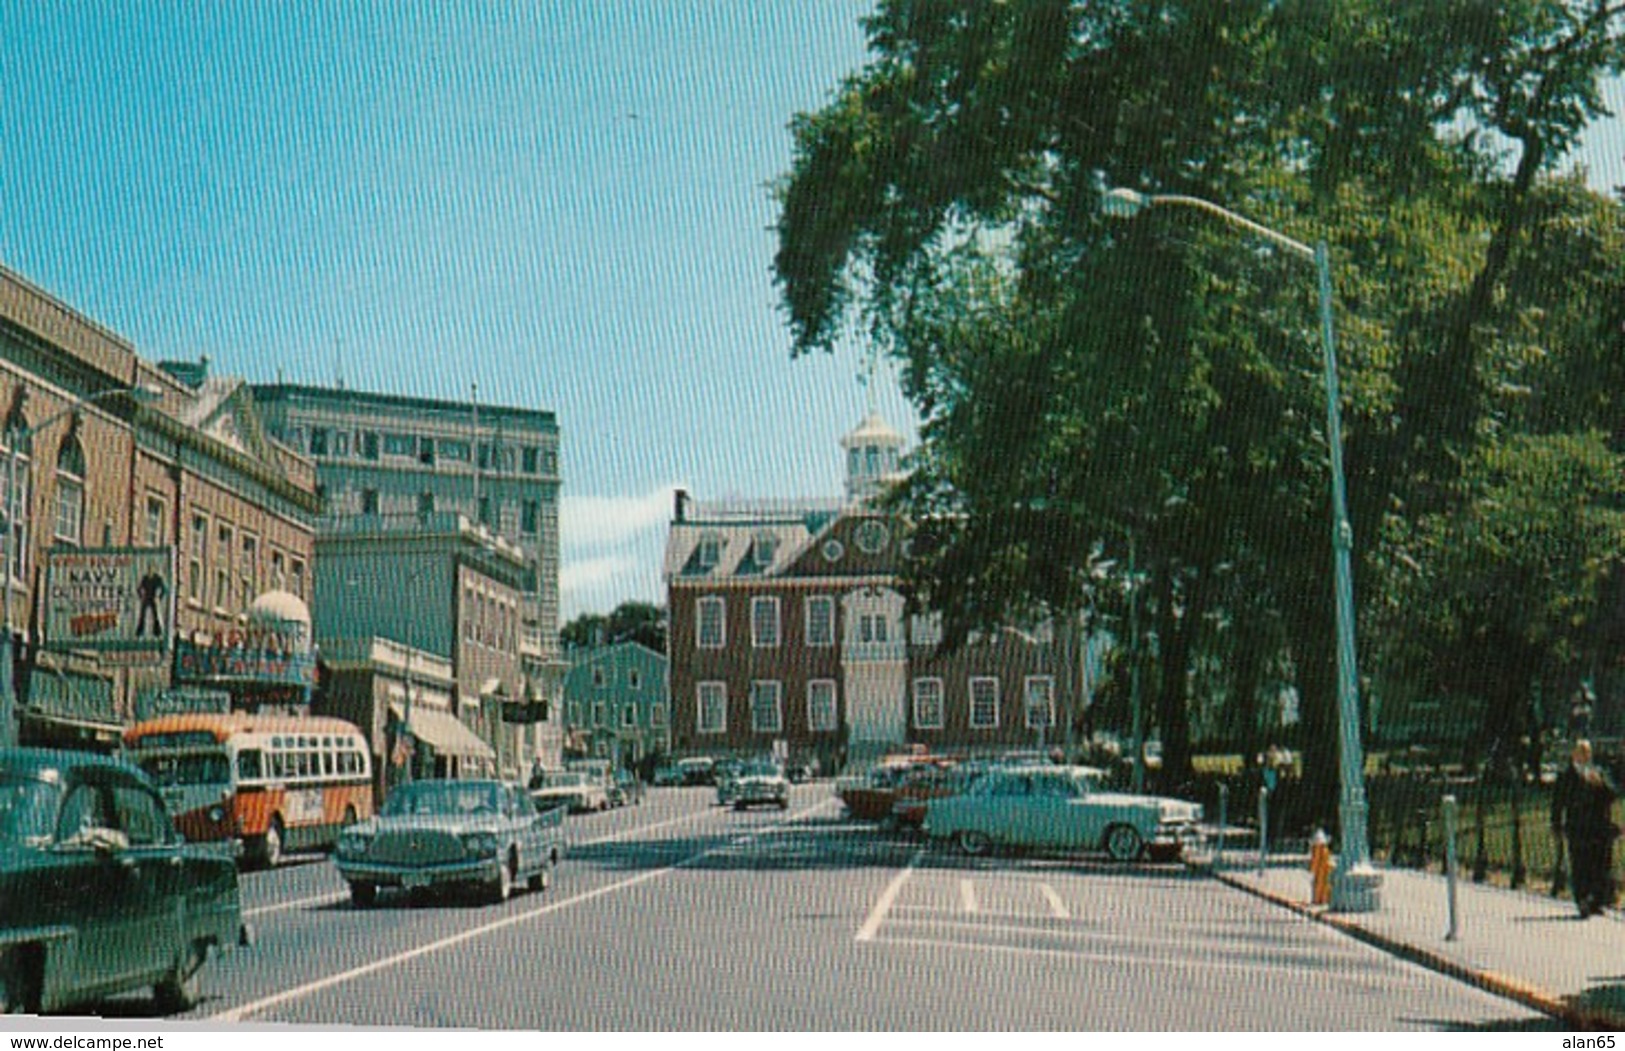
1529	947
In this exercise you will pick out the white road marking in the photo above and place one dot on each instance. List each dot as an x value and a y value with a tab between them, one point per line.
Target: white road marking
255	1007
1057	907
967	896
877	915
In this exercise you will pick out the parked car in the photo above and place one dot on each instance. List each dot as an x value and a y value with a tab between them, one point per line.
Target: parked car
760	782
99	894
578	790
628	788
801	771
921	784
483	834
697	770
668	774
1061	808
602	771
872	796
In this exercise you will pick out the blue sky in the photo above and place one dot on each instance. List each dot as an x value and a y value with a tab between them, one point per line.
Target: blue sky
564	202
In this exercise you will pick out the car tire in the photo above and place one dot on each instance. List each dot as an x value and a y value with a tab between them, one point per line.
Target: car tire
364	895
1124	843
784	804
542	878
976	844
500	889
271	845
181	989
15	997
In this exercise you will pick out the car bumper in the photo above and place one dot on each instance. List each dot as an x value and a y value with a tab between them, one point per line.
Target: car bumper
477	870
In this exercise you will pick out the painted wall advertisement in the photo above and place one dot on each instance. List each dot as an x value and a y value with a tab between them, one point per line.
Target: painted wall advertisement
111	599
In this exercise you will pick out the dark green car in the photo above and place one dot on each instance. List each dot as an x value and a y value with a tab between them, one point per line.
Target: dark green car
98	892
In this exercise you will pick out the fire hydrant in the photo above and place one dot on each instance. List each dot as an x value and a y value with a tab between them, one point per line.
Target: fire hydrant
1320	868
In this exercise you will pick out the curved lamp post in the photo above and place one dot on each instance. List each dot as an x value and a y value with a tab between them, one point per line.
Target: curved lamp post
17	511
1355	886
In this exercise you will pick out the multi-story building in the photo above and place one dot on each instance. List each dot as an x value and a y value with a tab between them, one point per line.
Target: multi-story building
615	702
388	464
789	634
449	589
108	453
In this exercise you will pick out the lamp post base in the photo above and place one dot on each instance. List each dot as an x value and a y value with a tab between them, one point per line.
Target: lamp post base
1356	890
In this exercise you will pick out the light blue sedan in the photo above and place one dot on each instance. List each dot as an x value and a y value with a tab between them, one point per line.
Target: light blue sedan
1061	808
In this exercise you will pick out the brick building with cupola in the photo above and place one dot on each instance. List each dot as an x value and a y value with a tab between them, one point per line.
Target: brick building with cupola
788	635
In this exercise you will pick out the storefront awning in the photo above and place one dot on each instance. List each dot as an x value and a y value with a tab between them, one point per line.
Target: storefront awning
445	733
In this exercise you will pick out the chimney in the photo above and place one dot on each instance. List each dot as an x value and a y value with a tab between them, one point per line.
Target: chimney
680	504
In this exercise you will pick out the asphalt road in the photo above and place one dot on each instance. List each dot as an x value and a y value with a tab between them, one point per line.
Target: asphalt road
681	915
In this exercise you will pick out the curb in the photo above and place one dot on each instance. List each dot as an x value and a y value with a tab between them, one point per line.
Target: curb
1490	981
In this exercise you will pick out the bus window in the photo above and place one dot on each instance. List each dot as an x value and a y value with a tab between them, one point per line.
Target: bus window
248	764
327	763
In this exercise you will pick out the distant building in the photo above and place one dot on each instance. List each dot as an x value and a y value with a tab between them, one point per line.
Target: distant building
788	634
391	465
615	702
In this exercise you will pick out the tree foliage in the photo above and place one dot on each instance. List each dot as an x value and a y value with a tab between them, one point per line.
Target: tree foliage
640	622
1082	382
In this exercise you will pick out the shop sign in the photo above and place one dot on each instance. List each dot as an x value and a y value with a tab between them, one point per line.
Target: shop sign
111	599
251	656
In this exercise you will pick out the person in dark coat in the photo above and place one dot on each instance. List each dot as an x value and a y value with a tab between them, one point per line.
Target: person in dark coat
1582	810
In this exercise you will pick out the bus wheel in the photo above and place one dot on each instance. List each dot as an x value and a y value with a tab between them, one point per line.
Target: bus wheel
271	847
363	894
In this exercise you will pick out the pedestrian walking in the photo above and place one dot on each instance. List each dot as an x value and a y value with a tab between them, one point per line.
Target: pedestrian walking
1582	811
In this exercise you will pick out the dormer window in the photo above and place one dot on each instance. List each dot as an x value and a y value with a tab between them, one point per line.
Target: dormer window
709	552
767	547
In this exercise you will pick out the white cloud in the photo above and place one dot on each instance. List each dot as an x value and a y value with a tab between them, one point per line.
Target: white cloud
611	550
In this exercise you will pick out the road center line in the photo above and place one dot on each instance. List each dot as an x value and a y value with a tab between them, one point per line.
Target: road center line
255	1007
877	915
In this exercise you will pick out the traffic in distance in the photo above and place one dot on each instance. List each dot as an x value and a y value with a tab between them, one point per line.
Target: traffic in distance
121	874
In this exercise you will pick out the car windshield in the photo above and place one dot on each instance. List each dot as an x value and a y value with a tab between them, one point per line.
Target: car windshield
27	809
442	797
202	768
760	769
567	780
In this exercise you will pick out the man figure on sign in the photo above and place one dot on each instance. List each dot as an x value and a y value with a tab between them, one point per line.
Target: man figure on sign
1582	810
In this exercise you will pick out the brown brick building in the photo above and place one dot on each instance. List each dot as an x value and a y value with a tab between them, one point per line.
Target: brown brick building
182	464
788	633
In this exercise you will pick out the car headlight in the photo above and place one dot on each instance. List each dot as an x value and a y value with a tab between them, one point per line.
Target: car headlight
480	844
353	845
217	814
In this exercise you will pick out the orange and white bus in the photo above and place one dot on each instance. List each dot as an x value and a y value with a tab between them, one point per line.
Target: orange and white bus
273	783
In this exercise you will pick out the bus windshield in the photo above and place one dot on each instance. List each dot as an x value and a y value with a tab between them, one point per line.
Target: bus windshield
195	768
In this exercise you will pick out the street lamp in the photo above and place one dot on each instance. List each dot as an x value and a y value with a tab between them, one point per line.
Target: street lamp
16	514
1355	888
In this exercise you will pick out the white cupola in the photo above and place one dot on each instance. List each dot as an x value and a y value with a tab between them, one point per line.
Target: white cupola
874	457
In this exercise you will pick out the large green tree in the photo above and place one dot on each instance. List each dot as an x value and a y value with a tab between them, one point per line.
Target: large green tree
1084	385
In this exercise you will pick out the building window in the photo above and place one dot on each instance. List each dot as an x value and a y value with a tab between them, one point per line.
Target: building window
713	707
821	706
1040	701
403	445
454	449
530	517
341	443
529	459
598	714
296	578
248	571
369	501
872	627
195	583
926	629
156	513
426	451
16	438
764	623
708	553
634	679
629	716
766	547
766	712
425	504
657	715
279	571
820	621
984	703
598	678
369	444
485	511
318	441
708	623
222	570
928	704
70	491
